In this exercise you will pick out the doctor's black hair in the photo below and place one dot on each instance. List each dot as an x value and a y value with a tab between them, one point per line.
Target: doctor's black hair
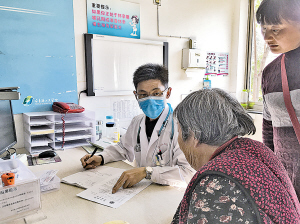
151	71
273	11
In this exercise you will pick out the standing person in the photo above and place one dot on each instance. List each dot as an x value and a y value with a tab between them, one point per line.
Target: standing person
238	180
151	138
280	26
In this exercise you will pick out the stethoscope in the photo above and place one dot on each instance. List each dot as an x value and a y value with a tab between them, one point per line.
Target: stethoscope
157	159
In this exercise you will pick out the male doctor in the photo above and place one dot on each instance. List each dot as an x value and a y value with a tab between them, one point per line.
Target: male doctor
151	138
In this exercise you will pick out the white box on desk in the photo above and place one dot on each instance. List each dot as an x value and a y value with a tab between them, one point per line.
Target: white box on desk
24	197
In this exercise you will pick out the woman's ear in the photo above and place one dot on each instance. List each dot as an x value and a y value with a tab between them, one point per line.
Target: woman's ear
169	92
197	143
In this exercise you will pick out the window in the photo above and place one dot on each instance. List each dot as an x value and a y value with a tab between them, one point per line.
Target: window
259	55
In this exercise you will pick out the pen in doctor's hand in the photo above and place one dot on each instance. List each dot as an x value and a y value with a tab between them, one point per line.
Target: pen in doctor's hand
93	153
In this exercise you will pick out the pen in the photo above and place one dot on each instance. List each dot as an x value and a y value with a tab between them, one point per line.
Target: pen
157	161
93	153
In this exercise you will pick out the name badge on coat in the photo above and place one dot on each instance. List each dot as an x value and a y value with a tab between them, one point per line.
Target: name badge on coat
137	147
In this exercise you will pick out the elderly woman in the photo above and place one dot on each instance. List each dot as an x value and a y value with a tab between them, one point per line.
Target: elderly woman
238	180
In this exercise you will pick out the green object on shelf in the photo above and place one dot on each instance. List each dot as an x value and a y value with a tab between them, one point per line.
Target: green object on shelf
250	105
244	105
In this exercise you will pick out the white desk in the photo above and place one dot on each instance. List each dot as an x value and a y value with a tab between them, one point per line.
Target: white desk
154	205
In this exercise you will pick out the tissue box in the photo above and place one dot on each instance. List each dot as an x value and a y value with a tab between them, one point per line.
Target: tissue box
22	198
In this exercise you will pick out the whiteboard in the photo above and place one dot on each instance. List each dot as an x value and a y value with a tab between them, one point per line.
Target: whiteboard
114	61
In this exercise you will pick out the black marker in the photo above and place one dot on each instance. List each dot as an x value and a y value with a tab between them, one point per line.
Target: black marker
95	150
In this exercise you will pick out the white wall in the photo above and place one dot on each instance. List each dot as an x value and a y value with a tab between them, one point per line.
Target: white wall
217	25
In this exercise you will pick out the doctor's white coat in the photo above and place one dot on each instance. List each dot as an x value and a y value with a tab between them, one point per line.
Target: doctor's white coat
175	169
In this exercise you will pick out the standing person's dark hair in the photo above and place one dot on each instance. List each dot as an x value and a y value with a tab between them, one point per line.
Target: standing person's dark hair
273	11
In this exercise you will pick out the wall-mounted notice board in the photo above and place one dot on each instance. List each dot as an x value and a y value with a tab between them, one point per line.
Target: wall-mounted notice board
37	52
111	62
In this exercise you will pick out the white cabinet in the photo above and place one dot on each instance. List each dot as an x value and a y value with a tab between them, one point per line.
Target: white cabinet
45	130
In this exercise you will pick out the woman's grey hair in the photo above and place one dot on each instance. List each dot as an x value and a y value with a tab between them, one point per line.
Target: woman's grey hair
213	117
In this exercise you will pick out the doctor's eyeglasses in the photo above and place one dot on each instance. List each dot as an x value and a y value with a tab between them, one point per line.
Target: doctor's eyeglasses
156	92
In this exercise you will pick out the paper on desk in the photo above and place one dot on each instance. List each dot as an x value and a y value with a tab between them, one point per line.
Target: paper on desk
89	178
101	193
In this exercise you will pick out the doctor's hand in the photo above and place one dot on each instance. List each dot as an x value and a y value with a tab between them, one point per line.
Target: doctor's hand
89	162
130	178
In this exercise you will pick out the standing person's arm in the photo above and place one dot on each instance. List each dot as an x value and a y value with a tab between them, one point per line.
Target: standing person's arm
267	128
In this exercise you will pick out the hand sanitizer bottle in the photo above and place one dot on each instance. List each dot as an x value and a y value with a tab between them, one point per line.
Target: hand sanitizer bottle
109	127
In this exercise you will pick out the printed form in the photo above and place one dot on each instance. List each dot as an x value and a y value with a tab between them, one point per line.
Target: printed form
99	183
102	193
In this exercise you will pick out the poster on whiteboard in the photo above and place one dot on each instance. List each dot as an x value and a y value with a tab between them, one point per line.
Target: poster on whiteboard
113	18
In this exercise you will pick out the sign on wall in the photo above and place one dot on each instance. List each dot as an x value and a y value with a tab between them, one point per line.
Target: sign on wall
216	63
113	18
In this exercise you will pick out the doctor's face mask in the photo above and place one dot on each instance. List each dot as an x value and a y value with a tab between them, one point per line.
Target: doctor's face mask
152	106
151	98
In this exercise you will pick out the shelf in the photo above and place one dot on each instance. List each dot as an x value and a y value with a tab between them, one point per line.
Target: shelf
39	121
70	144
40	141
72	119
72	136
39	130
71	127
43	130
39	149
